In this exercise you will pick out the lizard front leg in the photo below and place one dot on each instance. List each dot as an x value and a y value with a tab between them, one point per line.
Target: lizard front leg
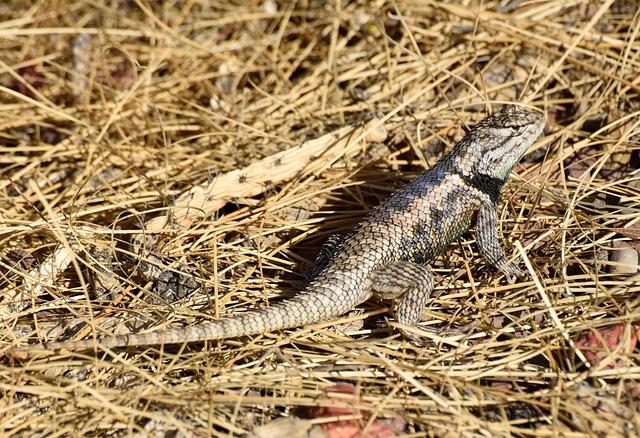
411	281
487	238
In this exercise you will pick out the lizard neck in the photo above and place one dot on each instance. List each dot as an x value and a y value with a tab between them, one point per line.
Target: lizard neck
487	184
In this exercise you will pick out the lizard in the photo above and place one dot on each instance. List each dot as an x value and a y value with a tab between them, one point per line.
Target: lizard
388	252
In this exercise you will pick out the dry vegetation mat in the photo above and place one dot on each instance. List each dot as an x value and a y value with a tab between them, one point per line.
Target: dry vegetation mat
168	163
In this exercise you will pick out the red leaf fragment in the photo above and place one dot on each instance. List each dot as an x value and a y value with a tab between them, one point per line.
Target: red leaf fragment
31	75
608	344
354	428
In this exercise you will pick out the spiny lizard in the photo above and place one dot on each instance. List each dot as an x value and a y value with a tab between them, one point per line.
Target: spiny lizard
386	255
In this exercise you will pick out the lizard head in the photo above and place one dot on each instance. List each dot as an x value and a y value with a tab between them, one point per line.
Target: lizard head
502	139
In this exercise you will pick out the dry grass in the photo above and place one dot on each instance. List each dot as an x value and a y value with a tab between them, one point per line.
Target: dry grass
106	138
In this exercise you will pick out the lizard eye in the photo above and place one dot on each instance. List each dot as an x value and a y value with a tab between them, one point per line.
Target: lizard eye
516	128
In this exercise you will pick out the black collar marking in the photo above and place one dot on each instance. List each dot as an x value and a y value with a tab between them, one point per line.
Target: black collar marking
487	184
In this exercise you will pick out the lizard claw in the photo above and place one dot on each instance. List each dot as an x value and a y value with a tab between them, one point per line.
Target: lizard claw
412	337
511	270
421	341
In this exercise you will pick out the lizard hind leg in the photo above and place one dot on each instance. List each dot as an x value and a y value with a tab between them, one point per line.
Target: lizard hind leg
326	255
413	282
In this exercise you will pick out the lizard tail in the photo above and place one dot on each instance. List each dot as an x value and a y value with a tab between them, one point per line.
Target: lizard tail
316	304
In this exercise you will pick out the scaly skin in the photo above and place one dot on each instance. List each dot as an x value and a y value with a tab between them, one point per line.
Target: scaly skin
387	253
